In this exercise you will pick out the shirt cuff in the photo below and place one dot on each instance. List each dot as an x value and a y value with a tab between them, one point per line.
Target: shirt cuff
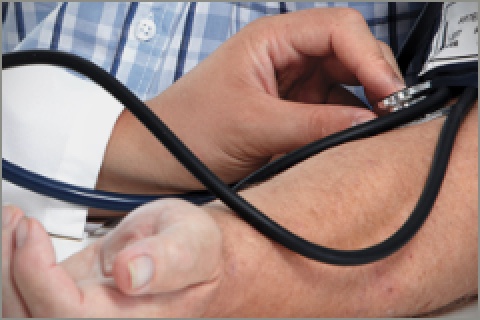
57	124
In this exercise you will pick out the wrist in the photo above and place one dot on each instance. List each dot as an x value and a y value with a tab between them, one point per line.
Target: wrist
136	162
242	245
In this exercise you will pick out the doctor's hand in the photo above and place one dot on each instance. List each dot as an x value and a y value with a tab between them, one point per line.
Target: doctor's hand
271	88
165	260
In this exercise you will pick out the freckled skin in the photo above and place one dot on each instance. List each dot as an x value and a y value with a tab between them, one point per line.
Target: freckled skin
438	266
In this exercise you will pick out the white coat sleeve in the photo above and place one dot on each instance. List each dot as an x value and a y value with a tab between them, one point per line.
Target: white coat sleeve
56	124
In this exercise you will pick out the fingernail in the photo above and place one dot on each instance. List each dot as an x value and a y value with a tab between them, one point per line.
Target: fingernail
21	233
362	118
7	215
398	83
141	271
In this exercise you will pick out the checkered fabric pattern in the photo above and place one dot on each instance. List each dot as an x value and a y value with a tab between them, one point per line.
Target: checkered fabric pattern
107	33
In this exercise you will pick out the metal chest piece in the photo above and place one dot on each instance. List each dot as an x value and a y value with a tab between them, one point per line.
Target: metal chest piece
404	98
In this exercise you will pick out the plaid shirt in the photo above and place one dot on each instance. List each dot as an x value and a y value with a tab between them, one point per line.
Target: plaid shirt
149	45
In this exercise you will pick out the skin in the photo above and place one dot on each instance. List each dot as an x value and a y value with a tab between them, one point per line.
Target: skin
208	262
438	266
238	272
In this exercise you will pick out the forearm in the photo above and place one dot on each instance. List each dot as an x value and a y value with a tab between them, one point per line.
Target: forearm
136	162
351	197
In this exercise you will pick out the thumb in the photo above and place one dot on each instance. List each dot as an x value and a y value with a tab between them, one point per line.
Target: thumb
164	246
297	124
46	288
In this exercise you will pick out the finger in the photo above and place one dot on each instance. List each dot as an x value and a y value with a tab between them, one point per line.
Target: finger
292	125
140	223
184	250
390	58
335	71
342	33
84	264
143	222
320	87
46	288
12	303
313	93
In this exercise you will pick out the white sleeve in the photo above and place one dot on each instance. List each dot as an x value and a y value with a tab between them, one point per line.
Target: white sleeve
56	124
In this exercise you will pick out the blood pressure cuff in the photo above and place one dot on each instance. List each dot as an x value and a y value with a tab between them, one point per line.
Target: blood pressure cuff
451	58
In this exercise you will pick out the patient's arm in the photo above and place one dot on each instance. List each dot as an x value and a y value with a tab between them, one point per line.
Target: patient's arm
351	197
348	197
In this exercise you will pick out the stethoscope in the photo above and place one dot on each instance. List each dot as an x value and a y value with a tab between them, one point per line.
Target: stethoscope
407	105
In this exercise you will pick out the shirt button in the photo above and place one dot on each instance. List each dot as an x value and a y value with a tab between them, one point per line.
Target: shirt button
146	29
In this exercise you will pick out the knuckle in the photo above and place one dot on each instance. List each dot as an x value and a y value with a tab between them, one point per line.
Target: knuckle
351	16
260	23
178	254
263	20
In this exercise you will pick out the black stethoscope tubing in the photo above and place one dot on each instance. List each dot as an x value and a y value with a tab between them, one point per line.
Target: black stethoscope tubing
239	205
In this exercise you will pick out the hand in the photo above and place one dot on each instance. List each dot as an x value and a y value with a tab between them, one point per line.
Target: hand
271	88
182	241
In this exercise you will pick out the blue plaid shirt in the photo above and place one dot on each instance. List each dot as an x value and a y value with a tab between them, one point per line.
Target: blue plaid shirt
149	45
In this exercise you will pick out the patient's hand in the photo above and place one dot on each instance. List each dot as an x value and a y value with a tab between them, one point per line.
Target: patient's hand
182	241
